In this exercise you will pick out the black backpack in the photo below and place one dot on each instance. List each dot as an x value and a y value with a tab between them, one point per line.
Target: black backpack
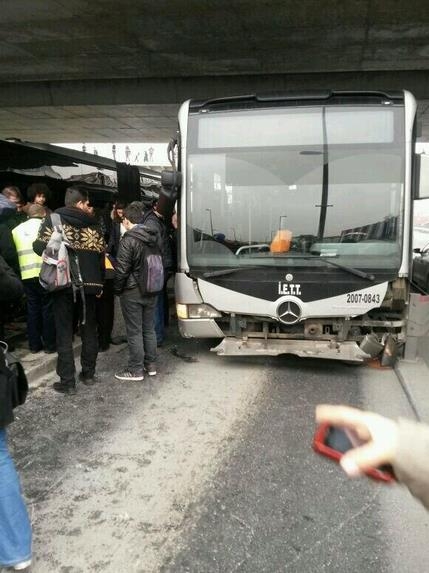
150	279
13	385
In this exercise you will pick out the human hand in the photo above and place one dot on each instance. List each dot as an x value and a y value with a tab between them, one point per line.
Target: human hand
378	434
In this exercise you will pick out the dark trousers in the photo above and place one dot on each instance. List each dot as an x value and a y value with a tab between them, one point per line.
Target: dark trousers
161	315
139	322
64	310
40	316
105	308
159	318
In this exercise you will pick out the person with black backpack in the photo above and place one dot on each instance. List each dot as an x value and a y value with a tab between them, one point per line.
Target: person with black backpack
139	278
78	233
15	527
153	219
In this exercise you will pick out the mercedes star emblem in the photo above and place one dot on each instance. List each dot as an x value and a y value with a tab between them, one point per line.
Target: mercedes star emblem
289	312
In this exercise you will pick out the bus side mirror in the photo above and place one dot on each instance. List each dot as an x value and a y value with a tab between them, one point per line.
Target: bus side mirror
171	182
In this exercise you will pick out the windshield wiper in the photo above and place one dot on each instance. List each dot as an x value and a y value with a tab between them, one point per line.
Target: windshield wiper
222	272
350	270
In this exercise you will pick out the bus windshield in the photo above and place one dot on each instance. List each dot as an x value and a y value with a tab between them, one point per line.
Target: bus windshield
267	186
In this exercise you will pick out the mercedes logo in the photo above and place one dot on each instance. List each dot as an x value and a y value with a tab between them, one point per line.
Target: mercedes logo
289	312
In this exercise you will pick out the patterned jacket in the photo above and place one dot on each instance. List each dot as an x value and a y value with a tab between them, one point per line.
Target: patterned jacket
86	238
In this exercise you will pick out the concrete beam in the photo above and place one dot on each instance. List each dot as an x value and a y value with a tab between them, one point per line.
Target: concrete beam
176	90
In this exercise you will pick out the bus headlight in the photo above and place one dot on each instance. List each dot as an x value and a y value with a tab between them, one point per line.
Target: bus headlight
196	311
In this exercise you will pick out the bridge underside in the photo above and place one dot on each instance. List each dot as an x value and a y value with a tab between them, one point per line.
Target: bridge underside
132	110
109	71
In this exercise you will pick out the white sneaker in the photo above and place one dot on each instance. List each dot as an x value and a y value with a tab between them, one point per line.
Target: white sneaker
126	375
24	565
150	369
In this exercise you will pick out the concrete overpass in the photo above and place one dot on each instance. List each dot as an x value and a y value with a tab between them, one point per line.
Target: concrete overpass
107	71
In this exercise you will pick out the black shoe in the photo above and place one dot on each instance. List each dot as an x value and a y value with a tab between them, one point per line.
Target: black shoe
103	347
50	351
88	380
127	376
64	388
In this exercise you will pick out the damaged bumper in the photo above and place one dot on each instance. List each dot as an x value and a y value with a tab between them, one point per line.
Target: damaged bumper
348	351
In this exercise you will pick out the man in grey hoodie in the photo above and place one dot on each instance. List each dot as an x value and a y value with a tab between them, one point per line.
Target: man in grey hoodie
138	310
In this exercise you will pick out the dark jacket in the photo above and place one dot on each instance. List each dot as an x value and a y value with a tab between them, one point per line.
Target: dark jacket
114	238
10	285
15	219
7	248
10	289
130	254
85	238
152	221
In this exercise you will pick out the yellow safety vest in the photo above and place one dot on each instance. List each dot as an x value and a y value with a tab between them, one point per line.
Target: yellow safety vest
23	236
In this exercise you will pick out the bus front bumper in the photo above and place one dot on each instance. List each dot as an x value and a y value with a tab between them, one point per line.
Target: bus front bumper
199	328
333	350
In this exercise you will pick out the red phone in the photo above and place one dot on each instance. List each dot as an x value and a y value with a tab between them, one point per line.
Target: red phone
334	442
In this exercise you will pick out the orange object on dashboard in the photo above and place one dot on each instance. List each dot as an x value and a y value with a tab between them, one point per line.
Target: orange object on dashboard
281	242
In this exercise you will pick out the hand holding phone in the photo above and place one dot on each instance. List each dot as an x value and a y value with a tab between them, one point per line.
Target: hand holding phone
361	441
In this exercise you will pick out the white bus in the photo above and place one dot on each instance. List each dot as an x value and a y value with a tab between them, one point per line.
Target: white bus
295	222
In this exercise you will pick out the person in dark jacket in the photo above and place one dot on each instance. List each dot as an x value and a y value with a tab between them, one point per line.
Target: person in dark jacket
15	528
8	252
153	219
117	229
138	310
7	245
105	307
17	215
87	241
11	287
38	193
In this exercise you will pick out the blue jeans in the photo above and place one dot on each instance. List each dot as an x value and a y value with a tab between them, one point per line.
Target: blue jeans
15	528
139	322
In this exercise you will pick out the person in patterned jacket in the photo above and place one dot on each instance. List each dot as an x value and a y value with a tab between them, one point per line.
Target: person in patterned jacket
85	237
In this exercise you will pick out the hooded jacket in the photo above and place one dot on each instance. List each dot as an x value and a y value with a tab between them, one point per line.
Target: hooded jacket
85	237
156	222
130	255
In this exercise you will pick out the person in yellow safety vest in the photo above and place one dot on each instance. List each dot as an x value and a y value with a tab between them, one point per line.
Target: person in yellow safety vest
40	317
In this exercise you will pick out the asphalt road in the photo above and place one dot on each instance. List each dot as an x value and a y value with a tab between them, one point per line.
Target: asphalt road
208	468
